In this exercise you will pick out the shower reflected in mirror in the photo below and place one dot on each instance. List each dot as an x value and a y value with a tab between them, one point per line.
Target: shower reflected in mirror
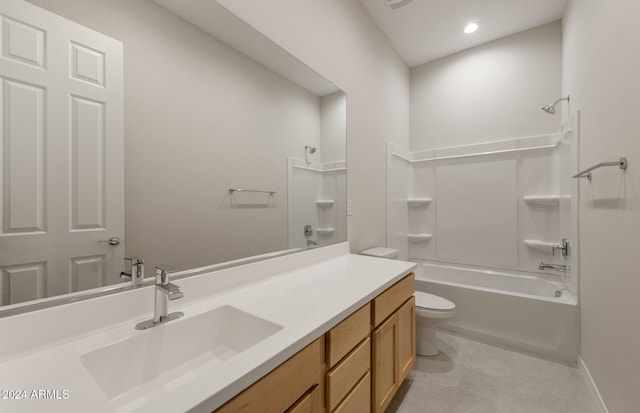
307	151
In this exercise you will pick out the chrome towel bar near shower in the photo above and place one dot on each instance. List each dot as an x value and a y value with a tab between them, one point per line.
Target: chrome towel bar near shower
232	190
622	164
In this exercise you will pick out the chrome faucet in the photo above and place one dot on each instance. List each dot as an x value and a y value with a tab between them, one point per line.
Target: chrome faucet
553	267
137	270
564	247
164	292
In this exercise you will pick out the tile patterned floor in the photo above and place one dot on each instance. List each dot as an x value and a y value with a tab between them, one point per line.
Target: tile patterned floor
472	377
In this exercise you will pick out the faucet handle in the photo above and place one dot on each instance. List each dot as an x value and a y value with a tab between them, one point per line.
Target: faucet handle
162	274
137	270
162	280
135	260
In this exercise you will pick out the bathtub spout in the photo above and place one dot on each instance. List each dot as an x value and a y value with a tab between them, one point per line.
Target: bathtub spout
553	267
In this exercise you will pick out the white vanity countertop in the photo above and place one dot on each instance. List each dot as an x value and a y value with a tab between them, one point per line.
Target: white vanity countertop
306	293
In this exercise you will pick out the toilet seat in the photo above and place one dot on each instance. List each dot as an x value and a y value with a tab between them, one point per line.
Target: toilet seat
433	306
432	302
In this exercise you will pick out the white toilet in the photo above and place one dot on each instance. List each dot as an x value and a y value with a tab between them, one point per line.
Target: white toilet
431	310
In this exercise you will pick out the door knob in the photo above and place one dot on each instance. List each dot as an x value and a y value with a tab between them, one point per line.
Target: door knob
111	241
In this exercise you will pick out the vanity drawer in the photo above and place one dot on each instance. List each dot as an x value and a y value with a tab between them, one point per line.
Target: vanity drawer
285	386
392	298
359	400
309	403
345	336
345	375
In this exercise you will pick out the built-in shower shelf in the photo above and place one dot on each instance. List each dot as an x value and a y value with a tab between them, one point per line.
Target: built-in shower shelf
419	202
325	231
544	200
540	245
419	237
325	202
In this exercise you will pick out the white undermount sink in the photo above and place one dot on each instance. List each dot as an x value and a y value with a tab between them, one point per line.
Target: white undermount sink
169	351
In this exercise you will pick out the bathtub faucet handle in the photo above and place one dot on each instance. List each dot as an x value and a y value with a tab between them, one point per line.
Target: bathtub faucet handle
563	246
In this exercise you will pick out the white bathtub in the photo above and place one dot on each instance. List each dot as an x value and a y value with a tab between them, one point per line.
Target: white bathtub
517	310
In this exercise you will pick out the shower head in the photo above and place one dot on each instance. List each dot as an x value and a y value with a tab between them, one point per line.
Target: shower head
551	109
311	149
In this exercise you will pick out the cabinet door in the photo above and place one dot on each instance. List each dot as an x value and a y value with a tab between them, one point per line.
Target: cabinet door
385	364
407	337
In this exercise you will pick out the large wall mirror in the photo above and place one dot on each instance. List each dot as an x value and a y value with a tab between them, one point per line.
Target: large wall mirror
168	130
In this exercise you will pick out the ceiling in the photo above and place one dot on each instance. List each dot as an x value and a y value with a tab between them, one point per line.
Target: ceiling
425	30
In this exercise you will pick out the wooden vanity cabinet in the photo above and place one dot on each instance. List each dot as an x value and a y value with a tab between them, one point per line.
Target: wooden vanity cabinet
356	367
296	386
393	340
364	377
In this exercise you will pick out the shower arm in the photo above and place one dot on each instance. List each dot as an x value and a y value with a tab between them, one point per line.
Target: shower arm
560	100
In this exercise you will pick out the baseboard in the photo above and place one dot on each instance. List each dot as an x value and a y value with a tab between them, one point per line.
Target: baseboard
593	389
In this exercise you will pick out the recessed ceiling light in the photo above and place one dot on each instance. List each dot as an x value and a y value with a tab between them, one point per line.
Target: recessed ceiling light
471	27
396	4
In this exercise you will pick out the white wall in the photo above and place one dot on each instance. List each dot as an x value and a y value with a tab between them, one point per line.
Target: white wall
338	39
600	71
333	127
489	92
199	118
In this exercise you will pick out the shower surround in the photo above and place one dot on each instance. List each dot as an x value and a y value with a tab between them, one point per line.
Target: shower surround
501	206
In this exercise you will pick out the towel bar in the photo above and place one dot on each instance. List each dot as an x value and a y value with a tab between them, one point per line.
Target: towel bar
622	163
232	190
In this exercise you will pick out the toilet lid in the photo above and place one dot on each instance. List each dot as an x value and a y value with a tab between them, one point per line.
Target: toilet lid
381	252
433	302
